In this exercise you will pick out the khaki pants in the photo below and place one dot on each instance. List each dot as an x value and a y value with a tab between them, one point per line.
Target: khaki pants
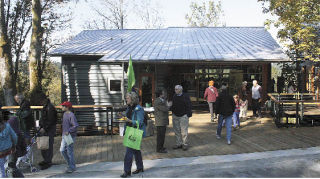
180	128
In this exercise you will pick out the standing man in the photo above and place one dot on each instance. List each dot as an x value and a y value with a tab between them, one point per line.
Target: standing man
24	115
181	111
256	98
211	95
161	114
225	109
47	123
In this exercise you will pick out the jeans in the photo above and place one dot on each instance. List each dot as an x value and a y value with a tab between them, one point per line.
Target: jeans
180	128
2	170
212	109
228	125
67	153
236	119
161	134
129	157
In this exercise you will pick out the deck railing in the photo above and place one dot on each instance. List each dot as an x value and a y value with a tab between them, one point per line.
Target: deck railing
88	124
303	107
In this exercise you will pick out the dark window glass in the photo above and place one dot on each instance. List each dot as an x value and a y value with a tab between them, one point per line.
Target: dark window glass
115	85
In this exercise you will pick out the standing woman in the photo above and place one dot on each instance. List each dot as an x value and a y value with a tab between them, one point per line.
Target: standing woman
134	114
211	95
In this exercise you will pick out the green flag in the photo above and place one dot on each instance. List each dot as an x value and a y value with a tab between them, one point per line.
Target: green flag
130	74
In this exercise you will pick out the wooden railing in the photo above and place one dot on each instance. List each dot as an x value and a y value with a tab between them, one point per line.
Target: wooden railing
301	106
85	125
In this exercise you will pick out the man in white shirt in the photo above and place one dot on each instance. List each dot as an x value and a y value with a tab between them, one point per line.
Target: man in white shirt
256	98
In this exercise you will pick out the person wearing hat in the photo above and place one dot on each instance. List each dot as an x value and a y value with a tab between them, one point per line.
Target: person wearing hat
47	124
211	95
69	127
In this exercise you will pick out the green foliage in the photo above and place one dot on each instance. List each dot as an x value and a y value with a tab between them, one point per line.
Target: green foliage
51	82
205	15
299	24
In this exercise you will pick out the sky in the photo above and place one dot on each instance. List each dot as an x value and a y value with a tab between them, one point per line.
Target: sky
236	13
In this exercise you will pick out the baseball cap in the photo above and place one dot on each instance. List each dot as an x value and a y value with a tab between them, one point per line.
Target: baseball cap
67	104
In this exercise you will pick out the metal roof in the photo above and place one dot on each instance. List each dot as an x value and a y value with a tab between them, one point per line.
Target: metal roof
177	43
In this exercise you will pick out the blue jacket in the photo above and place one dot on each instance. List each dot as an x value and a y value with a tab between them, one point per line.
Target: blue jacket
138	115
7	138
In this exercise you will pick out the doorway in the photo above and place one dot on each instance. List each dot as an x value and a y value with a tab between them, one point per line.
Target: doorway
146	89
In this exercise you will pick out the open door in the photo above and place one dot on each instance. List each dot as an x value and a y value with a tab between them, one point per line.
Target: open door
146	89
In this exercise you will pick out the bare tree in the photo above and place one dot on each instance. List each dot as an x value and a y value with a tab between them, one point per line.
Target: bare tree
112	14
149	14
205	15
6	64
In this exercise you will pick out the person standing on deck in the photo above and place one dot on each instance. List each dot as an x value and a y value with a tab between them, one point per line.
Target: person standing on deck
256	99
161	115
48	123
211	94
181	112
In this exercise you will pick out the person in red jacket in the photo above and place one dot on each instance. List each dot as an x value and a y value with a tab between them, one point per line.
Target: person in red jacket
210	95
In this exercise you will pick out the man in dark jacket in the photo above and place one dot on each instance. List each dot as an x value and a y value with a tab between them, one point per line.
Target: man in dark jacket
181	112
47	123
225	109
161	115
24	114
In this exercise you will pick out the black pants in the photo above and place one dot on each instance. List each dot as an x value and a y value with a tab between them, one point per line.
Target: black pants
161	134
256	107
48	154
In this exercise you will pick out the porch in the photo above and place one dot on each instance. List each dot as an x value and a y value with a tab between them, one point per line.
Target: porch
256	135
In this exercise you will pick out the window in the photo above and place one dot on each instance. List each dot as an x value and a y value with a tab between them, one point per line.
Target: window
114	85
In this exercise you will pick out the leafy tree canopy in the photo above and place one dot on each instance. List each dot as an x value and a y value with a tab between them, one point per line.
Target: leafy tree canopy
299	26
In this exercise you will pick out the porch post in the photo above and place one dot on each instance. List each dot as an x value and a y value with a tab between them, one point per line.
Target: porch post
264	80
122	82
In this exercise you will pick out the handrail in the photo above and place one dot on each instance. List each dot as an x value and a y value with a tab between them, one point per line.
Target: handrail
74	106
293	101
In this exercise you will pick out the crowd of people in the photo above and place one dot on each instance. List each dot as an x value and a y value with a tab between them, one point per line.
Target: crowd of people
14	131
15	134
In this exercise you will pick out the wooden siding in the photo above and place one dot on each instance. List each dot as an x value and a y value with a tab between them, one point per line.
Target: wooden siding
85	82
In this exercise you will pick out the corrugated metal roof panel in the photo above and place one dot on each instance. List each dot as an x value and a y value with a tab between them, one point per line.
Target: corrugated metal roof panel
207	43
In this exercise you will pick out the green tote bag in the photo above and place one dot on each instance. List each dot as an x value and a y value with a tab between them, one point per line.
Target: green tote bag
133	137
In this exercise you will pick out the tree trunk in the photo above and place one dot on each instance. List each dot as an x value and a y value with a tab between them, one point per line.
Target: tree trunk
35	52
6	65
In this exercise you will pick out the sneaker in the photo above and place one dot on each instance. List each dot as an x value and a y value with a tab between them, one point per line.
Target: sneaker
218	137
69	170
229	142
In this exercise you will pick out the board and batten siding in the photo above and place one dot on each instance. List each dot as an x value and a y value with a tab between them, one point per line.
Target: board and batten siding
86	82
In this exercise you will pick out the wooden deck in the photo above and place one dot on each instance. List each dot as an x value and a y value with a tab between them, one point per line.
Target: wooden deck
256	135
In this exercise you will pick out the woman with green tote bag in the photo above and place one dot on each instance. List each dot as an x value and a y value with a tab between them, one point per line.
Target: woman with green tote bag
135	116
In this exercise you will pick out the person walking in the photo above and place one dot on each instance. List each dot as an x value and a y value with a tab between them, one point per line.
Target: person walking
47	124
69	127
225	109
235	117
256	98
8	141
134	114
161	115
24	115
211	94
181	112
